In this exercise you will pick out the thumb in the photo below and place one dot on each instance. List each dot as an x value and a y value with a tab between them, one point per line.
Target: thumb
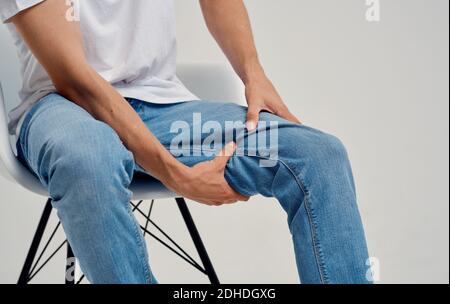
252	118
225	154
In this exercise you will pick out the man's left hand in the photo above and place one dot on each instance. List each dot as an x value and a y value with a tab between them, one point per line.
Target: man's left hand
261	95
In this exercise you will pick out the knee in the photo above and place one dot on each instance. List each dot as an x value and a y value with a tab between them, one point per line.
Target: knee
327	156
332	149
89	158
314	149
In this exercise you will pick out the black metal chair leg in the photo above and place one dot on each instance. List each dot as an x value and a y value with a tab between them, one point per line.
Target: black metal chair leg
70	266
69	270
25	273
197	241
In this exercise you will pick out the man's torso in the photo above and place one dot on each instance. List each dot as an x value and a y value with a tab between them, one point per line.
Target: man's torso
131	44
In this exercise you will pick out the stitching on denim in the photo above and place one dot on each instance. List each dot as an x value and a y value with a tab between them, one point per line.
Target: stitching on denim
137	234
141	245
318	253
313	225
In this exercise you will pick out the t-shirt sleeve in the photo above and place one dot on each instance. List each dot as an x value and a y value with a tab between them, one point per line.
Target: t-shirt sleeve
10	8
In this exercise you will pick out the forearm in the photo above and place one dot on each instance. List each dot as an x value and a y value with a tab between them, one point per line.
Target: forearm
58	45
229	24
104	103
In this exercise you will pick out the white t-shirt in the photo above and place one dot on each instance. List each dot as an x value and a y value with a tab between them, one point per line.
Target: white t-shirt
130	43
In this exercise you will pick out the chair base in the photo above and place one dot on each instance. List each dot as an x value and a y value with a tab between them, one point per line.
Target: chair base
31	266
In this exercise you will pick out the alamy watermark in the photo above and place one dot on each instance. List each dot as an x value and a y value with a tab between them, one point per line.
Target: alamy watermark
373	273
70	269
373	11
207	138
372	14
73	10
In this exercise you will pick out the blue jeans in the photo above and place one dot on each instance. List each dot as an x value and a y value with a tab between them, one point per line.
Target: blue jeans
87	171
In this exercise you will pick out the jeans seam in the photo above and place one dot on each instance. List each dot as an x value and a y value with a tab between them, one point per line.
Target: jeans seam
141	244
318	253
144	262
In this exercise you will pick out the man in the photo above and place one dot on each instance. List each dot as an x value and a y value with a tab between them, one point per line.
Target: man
98	101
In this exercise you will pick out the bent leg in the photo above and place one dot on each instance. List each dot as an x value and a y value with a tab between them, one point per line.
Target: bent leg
310	176
312	179
87	171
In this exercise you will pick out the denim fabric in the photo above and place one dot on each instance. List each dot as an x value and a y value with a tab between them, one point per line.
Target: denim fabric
87	171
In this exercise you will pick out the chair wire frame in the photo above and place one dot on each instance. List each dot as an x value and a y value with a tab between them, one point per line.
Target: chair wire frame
34	266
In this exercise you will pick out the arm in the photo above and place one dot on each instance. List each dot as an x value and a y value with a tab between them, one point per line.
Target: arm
58	46
229	24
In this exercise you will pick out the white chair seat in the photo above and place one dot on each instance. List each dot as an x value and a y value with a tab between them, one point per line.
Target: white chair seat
146	188
143	188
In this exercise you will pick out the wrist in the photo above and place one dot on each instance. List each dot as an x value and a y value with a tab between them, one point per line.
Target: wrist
252	71
161	165
175	173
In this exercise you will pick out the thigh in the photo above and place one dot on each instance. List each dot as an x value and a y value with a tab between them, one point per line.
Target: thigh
165	121
205	126
56	127
195	131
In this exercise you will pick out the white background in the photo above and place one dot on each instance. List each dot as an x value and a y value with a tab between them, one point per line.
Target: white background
381	87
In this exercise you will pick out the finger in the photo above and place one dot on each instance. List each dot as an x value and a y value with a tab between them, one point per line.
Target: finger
225	154
244	198
286	114
239	197
252	117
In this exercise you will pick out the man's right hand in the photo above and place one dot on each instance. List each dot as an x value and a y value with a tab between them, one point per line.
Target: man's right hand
205	182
